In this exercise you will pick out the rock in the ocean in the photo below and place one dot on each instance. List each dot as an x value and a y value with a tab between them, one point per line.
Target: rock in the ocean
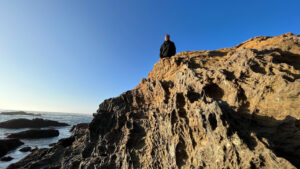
6	158
34	134
26	123
25	149
235	107
19	113
7	145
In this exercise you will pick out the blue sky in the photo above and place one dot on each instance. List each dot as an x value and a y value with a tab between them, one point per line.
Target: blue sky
70	55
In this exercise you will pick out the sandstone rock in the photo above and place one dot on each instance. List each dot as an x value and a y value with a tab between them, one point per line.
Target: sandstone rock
34	134
26	123
7	145
230	108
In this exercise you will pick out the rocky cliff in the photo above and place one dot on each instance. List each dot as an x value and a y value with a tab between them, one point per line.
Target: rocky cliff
235	107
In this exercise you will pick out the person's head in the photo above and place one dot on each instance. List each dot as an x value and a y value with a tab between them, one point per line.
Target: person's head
167	37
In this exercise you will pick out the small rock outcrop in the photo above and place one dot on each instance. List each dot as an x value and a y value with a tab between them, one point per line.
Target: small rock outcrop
7	145
34	134
27	123
229	108
20	113
25	149
6	158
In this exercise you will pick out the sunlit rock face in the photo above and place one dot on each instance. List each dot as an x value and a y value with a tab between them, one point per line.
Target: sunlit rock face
235	107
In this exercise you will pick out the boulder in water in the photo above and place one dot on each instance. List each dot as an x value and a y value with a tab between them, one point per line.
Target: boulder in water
7	145
6	158
34	134
19	113
27	123
25	149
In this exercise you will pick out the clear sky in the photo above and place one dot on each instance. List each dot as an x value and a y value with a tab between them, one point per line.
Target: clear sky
70	55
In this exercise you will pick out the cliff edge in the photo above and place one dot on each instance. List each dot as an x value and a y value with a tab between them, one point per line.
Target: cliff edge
235	107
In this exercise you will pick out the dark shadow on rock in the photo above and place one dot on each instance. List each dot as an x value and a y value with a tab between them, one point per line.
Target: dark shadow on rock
167	85
255	67
229	75
216	53
181	154
280	56
280	134
192	95
101	124
212	121
135	140
192	64
178	61
291	76
212	90
242	98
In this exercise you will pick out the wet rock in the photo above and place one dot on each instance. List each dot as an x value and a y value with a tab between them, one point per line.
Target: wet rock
34	134
25	149
7	145
26	123
6	158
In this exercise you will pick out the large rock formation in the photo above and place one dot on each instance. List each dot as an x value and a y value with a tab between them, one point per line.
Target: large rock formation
230	108
27	123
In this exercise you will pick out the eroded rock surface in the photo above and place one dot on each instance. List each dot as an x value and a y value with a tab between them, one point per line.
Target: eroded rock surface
230	108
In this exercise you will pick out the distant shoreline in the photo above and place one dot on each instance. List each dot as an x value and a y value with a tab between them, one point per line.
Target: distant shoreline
20	113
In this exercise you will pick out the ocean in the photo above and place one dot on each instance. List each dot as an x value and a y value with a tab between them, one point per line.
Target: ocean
70	118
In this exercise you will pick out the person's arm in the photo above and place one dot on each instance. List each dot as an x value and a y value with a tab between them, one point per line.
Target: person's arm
160	53
174	49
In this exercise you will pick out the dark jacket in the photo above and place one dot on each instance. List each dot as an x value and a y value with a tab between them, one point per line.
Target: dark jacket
167	49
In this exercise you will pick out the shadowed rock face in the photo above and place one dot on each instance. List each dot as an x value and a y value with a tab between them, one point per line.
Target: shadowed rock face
231	108
26	123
